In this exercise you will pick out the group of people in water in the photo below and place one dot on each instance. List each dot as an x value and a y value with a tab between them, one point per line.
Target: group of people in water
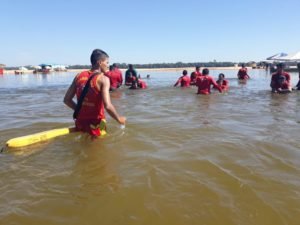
92	88
280	80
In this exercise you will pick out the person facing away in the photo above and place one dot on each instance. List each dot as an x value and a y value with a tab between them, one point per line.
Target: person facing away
97	98
184	80
243	73
223	84
276	83
195	74
115	77
204	83
129	74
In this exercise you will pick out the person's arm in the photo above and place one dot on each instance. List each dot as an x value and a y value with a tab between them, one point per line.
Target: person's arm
178	81
214	83
104	84
68	99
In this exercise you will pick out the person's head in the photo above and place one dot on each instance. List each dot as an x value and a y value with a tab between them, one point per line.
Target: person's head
243	65
184	72
281	79
197	68
115	65
205	71
221	76
148	76
99	57
130	66
111	67
280	67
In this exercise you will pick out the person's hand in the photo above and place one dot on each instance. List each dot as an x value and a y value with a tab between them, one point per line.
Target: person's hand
122	120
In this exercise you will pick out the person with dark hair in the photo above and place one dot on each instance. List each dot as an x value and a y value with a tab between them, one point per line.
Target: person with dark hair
276	83
243	73
115	77
129	74
184	80
93	98
283	85
204	83
195	74
224	84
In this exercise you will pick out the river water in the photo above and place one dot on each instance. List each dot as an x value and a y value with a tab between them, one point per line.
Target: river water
182	159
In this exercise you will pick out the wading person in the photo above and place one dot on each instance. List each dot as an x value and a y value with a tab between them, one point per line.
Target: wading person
205	82
243	73
276	80
195	74
222	82
130	75
184	80
94	98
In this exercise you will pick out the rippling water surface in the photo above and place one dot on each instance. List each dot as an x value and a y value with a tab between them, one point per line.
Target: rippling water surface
182	159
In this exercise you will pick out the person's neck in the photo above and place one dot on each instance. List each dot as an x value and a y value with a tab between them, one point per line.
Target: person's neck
95	69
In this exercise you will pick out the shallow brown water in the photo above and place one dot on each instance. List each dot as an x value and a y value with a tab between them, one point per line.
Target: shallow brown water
182	158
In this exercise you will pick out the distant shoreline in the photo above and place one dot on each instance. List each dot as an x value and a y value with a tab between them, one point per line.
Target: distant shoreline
144	69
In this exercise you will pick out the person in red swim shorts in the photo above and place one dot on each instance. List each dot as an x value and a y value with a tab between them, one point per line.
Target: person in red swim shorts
90	116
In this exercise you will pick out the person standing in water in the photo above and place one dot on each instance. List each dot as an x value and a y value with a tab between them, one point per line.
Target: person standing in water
115	77
97	98
204	83
224	84
195	74
276	83
184	80
243	73
130	75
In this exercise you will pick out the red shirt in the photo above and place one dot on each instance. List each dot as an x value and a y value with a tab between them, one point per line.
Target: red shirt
242	74
194	76
142	84
275	77
115	77
204	82
184	81
224	85
92	105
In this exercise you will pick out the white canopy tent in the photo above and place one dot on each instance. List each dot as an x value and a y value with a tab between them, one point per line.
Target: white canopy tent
290	57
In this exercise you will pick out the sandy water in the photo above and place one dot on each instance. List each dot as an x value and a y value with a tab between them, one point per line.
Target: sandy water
182	159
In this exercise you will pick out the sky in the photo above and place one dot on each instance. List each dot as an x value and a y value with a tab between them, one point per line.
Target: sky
153	31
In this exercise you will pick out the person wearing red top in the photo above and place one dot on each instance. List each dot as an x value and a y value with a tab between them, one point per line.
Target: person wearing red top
184	80
275	81
284	86
115	77
224	84
243	73
195	74
97	98
138	84
204	83
142	84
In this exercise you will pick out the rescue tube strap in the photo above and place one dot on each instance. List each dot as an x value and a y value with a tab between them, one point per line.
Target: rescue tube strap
82	96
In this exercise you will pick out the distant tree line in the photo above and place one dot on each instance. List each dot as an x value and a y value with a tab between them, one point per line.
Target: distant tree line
156	65
164	65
